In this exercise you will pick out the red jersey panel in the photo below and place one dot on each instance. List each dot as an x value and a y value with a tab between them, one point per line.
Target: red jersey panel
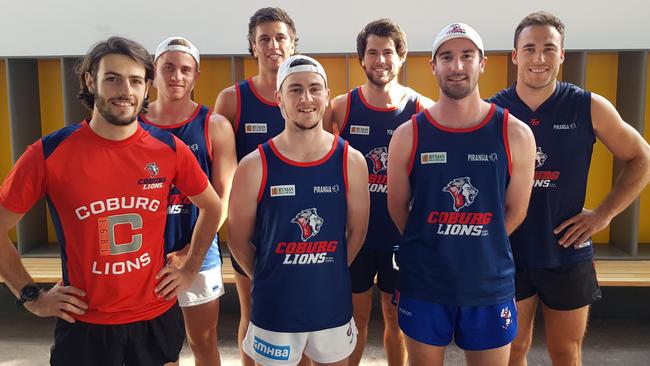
108	202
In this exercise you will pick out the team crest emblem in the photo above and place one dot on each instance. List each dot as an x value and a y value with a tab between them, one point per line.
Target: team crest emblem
379	159
540	157
462	191
153	169
506	315
309	223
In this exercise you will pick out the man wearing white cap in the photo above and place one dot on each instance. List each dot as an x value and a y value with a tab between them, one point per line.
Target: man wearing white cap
460	178
211	140
251	107
299	213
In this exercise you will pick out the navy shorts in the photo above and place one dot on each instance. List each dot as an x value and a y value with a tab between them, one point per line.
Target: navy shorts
371	262
474	328
565	287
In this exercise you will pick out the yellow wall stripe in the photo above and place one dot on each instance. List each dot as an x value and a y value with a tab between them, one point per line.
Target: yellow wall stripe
216	75
420	78
495	77
602	73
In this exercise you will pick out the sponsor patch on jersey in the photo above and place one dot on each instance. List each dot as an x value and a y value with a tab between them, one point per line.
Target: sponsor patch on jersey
194	147
359	130
487	157
270	350
436	157
327	189
255	128
283	190
565	126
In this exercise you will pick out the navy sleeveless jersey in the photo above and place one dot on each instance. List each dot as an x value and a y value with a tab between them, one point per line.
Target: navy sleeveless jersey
369	129
181	213
257	119
564	135
301	281
455	249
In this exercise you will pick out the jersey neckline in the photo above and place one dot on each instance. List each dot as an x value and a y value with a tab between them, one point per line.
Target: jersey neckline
303	164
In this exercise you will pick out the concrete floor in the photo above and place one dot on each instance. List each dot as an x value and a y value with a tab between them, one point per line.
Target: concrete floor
25	340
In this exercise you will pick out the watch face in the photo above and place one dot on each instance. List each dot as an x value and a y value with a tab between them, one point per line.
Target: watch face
29	292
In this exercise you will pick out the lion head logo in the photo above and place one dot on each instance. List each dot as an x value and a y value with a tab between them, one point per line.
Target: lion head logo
153	169
379	158
309	222
540	157
462	191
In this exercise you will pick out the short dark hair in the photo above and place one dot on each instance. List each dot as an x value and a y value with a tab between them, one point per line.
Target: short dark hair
540	18
382	28
113	45
265	15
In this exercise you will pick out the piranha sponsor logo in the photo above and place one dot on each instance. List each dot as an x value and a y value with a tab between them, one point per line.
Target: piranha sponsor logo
565	126
359	130
327	189
255	128
492	157
270	350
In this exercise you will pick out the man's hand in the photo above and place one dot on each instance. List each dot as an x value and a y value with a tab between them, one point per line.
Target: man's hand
581	226
59	301
172	279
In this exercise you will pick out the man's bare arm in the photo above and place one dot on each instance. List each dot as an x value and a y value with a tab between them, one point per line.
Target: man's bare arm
224	160
626	144
399	189
226	104
358	202
335	114
522	151
242	211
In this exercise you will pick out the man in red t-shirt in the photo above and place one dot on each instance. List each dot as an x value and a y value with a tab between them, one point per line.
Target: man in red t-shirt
107	181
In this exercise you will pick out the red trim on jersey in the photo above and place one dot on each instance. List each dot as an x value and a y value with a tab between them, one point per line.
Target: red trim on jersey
506	119
206	128
260	193
415	144
347	112
345	163
194	114
238	112
460	130
307	163
258	96
378	109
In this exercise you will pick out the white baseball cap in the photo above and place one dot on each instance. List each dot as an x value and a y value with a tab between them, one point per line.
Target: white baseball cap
165	46
299	63
457	30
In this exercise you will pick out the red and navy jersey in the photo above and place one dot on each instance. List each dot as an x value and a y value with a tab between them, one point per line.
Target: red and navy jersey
565	137
108	202
455	248
257	119
369	129
181	212
301	281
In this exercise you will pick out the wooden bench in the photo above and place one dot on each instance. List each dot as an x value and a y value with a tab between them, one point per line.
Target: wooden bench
610	272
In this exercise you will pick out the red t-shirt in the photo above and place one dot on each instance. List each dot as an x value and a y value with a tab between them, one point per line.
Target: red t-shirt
108	202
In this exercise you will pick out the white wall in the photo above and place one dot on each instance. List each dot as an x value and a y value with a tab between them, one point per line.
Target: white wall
217	27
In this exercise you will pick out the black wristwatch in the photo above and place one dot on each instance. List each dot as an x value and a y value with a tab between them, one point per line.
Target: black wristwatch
28	293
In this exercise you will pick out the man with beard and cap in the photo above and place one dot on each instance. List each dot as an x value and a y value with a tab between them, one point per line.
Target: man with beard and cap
366	117
106	181
552	247
460	177
251	107
211	140
298	215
